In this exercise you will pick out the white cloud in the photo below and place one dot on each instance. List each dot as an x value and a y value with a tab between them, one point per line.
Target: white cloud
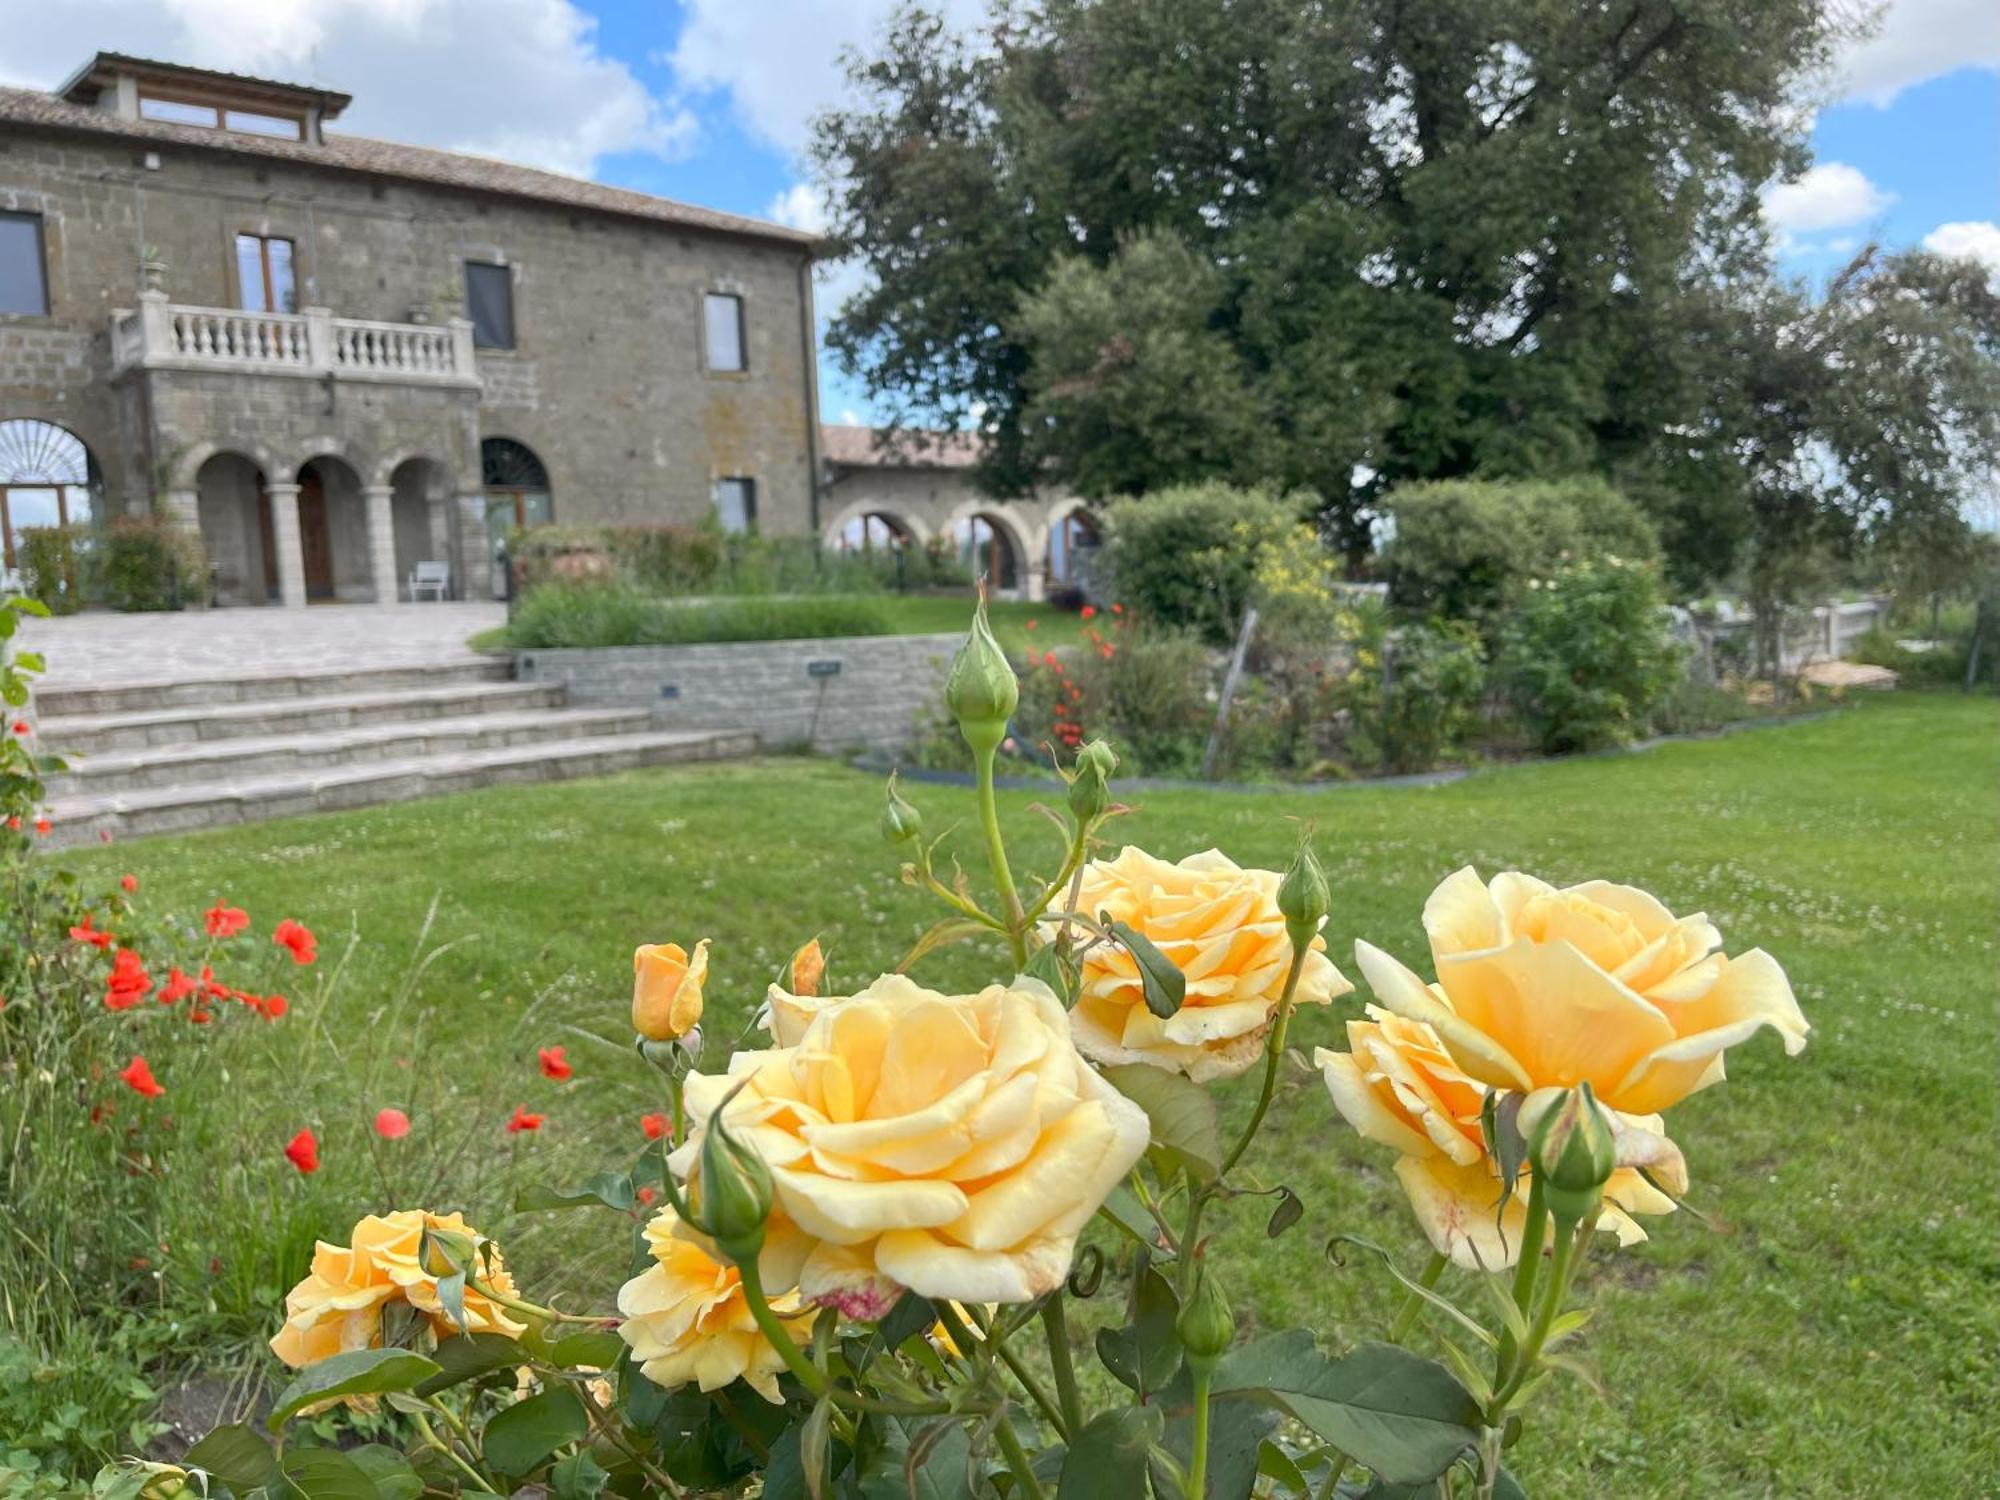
779	60
1920	39
1975	239
1831	195
520	79
799	206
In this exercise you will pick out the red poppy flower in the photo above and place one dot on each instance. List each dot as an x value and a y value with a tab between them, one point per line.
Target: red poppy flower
1032	624
1090	611
129	982
140	1080
226	921
42	826
1105	651
275	1006
1118	609
655	1126
89	934
303	1151
178	986
21	726
523	1121
392	1124
647	1195
130	883
298	938
554	1064
14	825
198	1016
104	835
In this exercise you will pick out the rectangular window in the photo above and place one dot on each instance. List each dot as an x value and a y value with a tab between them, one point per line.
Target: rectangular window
489	302
24	287
177	111
736	505
251	122
723	313
264	274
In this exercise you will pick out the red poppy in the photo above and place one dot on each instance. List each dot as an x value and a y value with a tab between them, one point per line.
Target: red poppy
104	835
14	825
140	1080
392	1124
275	1006
554	1064
130	883
1105	651
210	987
226	921
303	1151
298	938
1118	609
178	986
89	934
523	1121
42	826
647	1195
655	1126
21	726
1090	611
129	982
198	1016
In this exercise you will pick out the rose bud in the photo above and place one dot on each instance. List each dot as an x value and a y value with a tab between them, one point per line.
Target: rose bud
666	989
1206	1326
1089	787
1573	1149
901	823
736	1192
981	691
1303	899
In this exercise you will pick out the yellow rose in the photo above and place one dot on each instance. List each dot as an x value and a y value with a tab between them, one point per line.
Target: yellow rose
686	1318
1397	1085
954	1145
1220	926
1540	988
339	1306
666	989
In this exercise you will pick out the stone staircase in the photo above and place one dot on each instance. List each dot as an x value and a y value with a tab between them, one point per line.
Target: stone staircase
171	757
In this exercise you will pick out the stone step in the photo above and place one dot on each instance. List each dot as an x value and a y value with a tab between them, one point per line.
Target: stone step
139	695
231	760
181	809
96	734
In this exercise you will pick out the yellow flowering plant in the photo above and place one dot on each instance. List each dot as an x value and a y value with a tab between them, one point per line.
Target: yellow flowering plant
872	1224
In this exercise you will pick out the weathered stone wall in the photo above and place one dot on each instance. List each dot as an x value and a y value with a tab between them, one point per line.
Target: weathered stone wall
780	689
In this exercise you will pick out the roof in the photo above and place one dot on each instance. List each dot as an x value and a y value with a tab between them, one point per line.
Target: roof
87	82
899	448
455	169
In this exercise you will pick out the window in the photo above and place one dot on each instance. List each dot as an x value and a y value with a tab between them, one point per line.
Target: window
264	274
45	480
489	301
178	111
217	117
23	287
250	122
723	314
736	504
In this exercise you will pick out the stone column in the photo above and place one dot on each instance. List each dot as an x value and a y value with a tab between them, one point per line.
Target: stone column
475	565
285	537
380	500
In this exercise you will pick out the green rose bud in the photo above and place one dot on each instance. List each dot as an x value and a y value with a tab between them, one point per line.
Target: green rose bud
735	1191
1574	1152
1205	1326
1303	897
901	823
981	691
1090	782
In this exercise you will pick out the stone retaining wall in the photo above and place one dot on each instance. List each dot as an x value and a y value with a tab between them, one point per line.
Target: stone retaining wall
838	694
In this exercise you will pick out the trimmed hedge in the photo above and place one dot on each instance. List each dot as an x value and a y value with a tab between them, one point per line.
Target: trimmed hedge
593	616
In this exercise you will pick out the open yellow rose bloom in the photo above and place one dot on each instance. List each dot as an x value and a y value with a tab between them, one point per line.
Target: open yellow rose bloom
338	1307
1219	924
954	1145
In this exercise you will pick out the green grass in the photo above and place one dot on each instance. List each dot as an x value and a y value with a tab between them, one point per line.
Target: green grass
1832	1331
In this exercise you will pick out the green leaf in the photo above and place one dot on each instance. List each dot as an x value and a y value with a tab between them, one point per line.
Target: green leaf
327	1474
239	1458
361	1372
577	1477
942	935
918	1463
1123	1208
1146	1355
1164	986
1278	1466
520	1438
1237	1431
911	1315
596	1348
1108	1458
1291	1208
467	1356
1181	1112
610	1189
1059	973
390	1472
816	1449
1404	1417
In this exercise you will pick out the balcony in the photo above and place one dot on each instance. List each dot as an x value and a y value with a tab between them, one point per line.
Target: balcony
163	335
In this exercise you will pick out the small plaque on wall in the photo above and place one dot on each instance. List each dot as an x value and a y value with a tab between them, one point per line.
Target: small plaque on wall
823	668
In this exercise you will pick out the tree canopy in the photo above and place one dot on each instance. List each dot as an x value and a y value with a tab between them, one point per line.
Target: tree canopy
1334	247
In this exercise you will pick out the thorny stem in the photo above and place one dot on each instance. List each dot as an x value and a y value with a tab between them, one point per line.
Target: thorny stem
1273	1053
1017	1460
1533	1233
1197	1481
429	1435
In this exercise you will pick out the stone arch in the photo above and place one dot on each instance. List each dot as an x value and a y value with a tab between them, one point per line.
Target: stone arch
48	477
188	463
1071	533
1014	574
232	510
912	526
332	446
333	524
420	493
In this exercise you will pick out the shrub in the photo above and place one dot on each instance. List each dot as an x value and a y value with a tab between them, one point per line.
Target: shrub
50	559
141	563
557	615
664	559
1464	548
1585	656
1190	555
1148	691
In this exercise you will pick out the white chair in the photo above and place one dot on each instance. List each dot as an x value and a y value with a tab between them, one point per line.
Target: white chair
434	576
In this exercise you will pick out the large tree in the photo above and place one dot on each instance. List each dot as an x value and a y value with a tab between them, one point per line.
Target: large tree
1293	241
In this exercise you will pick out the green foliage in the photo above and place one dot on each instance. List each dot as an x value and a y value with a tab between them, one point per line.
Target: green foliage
700	560
144	563
1465	548
557	615
1585	657
1190	555
51	564
1420	699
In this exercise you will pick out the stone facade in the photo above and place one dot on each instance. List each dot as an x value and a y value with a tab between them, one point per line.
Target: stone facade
324	453
835	695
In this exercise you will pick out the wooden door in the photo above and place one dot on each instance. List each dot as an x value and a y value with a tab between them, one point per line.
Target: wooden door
314	542
266	543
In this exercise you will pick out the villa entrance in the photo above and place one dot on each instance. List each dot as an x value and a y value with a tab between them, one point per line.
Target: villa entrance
315	540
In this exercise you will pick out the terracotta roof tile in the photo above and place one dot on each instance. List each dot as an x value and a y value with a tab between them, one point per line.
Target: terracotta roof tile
898	448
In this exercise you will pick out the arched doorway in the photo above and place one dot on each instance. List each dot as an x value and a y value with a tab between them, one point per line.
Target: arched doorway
233	511
517	487
47	478
333	531
876	531
985	547
1072	541
419	517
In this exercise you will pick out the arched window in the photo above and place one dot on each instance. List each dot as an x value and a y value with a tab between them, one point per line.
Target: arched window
874	532
987	550
47	478
1071	541
517	488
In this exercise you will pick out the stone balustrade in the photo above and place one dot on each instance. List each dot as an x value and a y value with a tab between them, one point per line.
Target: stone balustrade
163	335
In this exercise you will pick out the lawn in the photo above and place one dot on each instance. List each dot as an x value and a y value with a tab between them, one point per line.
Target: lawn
1017	625
1832	1330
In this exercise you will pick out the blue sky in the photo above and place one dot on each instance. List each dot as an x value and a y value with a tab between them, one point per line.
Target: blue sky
709	100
